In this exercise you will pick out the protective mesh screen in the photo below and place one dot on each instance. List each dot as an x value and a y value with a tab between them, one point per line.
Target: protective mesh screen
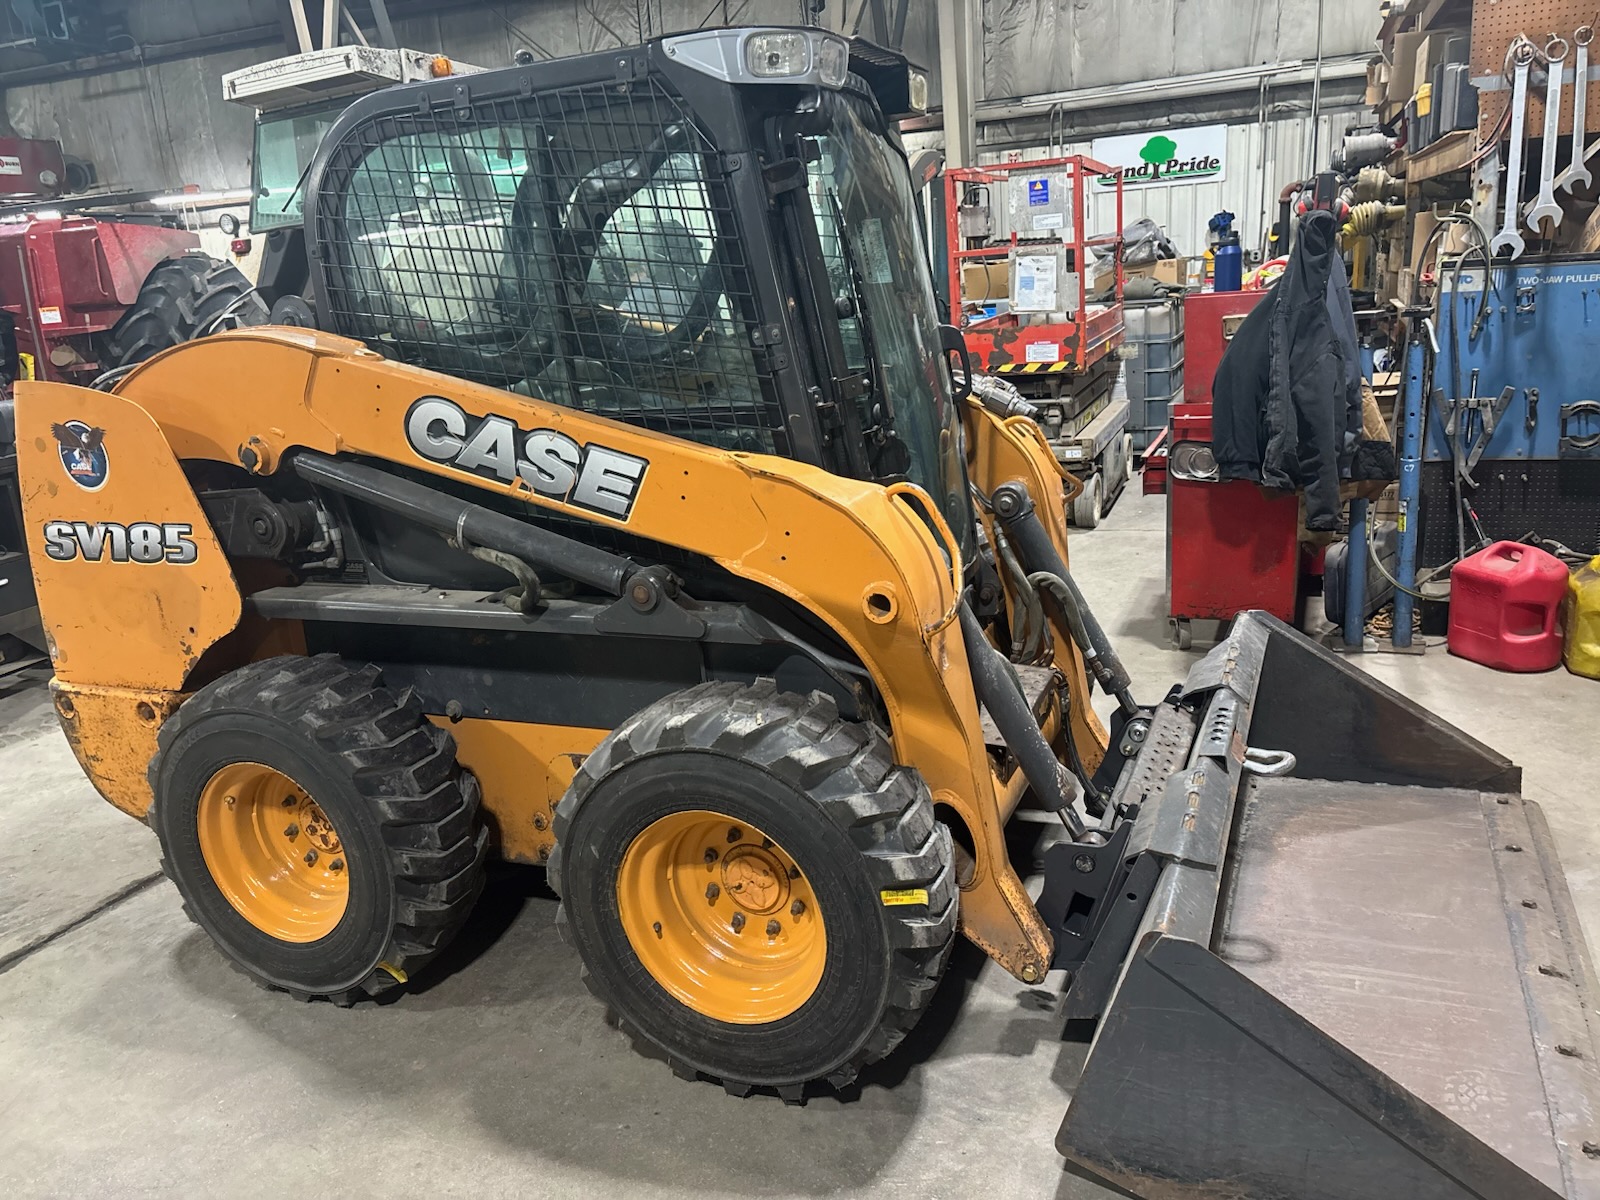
578	246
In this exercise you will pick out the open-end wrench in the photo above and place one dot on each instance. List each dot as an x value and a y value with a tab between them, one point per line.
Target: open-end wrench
1577	172
1544	205
1508	238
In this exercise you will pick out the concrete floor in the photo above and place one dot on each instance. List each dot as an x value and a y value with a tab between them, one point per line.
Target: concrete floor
133	1061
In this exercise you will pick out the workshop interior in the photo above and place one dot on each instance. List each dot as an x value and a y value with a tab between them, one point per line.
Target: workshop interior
800	597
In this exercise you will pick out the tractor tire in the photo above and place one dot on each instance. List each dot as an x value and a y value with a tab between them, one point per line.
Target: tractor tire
317	826
754	887
180	300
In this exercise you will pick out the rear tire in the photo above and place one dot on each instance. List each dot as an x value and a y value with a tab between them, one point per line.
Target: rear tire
785	778
317	826
181	299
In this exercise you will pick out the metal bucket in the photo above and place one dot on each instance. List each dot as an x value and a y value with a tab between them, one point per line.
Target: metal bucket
1361	979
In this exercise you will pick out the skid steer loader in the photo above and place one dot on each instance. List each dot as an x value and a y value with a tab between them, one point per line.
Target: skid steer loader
630	517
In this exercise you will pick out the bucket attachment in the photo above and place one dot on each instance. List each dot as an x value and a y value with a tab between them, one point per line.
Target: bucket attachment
1360	978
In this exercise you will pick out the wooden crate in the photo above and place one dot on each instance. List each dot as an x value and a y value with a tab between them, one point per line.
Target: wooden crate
1495	23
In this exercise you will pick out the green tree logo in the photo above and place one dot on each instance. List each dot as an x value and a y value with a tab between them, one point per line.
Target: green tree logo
1158	150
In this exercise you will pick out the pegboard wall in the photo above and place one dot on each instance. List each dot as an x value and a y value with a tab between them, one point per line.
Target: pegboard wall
1495	23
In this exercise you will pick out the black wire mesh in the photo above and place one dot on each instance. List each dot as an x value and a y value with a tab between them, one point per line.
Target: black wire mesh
578	246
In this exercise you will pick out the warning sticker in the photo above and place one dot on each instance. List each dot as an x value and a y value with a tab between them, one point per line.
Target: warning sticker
1042	352
49	316
1038	192
893	896
10	164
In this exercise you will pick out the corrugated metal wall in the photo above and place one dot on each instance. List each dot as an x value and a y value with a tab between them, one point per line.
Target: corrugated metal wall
1260	161
1036	46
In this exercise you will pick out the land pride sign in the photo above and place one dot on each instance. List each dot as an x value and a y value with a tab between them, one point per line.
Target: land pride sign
1198	154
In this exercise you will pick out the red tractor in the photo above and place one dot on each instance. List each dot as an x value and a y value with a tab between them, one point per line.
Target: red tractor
80	295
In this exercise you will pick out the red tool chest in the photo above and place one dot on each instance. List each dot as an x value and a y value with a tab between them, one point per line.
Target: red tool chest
1231	546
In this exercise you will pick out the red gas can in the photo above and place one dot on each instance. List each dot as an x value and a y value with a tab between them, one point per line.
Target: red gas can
1503	605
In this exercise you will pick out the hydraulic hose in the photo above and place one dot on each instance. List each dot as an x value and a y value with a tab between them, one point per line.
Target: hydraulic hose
996	684
1014	507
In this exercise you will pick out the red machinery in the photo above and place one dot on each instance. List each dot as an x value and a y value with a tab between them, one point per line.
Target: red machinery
1020	291
67	280
1232	545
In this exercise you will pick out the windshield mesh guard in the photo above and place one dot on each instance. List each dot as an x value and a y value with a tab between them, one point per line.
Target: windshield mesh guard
576	245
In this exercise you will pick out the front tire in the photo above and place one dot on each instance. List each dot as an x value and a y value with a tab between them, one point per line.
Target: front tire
755	887
317	826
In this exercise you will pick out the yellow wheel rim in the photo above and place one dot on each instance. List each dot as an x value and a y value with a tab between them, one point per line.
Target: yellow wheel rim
722	917
273	853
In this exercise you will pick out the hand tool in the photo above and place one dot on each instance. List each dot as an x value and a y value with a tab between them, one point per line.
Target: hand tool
1577	173
1508	238
1544	205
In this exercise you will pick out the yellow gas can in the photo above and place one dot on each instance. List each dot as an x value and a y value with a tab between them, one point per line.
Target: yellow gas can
1582	654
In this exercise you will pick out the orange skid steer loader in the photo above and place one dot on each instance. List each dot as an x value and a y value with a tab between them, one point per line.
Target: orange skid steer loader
630	516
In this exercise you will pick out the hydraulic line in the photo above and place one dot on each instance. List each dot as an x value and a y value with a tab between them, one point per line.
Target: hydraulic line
1014	507
995	681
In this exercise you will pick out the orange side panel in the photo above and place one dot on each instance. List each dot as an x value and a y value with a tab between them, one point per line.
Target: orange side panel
132	583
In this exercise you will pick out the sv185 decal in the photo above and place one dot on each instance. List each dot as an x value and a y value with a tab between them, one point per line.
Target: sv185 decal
590	476
145	542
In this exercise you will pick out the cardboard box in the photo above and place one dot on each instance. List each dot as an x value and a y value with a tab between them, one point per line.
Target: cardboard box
1377	83
984	281
1403	70
1172	271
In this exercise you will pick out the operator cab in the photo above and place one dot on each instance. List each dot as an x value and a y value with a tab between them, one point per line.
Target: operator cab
297	100
713	235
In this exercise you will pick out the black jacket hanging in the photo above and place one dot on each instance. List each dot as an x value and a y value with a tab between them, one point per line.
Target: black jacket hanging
1286	402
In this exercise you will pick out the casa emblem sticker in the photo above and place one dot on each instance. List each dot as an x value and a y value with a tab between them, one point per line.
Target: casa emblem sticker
83	454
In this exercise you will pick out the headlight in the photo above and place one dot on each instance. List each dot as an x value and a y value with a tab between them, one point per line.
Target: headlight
833	62
917	89
777	55
1193	461
803	56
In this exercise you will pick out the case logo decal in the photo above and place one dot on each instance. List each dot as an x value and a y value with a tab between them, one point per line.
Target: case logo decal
145	542
590	476
83	454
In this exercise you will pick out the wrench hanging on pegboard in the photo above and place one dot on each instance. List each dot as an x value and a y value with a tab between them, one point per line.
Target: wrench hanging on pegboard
1495	24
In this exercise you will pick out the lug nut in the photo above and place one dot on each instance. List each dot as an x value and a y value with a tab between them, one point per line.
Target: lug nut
738	922
734	834
774	929
311	858
657	928
336	865
712	892
230	801
288	801
798	907
794	872
293	831
711	855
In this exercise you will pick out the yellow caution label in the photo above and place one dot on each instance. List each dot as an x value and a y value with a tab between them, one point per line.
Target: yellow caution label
893	896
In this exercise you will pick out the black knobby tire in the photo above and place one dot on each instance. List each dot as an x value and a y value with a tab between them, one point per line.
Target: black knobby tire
828	791
181	299
385	776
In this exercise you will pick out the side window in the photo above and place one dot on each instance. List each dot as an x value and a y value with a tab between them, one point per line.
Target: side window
582	254
429	217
